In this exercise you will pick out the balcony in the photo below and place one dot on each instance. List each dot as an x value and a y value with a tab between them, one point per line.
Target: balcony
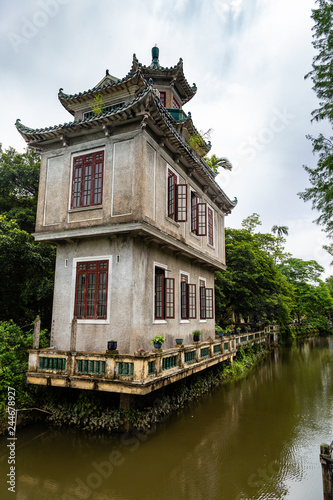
136	374
177	114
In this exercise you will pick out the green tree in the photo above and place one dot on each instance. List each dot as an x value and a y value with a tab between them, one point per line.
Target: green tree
14	344
313	301
252	285
19	178
251	222
27	271
280	230
321	178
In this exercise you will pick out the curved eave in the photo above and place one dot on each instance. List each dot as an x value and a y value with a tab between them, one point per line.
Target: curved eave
145	106
35	137
69	100
175	73
165	122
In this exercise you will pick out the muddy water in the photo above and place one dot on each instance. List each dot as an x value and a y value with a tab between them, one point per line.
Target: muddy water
254	439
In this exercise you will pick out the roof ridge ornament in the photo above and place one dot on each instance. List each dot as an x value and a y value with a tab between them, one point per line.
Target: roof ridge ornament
155	64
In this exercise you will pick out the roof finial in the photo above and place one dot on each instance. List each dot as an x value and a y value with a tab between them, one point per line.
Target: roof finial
155	53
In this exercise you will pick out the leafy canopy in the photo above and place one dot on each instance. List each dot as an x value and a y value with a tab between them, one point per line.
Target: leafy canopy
321	177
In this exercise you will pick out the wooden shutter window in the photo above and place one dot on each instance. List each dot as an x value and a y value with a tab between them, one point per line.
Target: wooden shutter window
163	98
170	297
202	219
192	309
209	303
172	181
159	296
210	226
87	181
91	290
181	198
202	302
183	300
194	212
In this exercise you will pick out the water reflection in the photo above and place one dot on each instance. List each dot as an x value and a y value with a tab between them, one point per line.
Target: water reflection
255	439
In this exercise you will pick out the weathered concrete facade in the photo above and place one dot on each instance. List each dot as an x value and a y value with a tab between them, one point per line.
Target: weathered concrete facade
132	228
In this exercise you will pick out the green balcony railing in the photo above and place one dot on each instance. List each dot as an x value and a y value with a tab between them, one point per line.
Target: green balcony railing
58	364
177	114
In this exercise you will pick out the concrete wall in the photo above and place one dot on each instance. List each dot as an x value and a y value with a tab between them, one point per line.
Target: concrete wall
130	318
134	189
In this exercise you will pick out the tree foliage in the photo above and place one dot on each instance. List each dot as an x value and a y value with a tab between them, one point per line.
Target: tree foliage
26	267
252	286
14	344
215	163
19	178
313	301
321	176
322	66
27	270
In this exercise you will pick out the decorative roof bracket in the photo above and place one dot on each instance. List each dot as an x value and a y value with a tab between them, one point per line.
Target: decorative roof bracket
64	140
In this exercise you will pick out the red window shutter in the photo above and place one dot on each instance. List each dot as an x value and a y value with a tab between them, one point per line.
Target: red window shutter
210	226
159	296
172	182
181	200
209	303
169	297
192	308
87	183
183	300
202	302
175	103
202	219
194	212
91	290
163	98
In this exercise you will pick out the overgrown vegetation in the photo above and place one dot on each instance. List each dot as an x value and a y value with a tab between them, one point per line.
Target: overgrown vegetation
14	344
27	267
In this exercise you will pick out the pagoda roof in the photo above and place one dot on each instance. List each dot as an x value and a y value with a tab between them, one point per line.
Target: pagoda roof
108	85
175	74
147	107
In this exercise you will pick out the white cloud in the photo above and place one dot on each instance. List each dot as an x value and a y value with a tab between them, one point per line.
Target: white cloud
248	59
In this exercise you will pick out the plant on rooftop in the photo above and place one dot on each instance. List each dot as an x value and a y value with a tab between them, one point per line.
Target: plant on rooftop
97	105
197	140
214	163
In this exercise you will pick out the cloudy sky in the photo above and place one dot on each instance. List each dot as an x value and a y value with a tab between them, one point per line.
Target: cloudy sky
248	59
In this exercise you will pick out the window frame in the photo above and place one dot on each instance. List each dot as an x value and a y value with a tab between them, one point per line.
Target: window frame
80	176
210	226
188	299
163	97
206	301
176	197
92	319
166	305
202	219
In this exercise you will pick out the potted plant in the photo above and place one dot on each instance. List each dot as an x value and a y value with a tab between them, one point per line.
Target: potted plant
196	335
112	345
219	331
228	330
157	341
179	341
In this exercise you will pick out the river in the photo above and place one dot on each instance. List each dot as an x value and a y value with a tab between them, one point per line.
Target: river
257	438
